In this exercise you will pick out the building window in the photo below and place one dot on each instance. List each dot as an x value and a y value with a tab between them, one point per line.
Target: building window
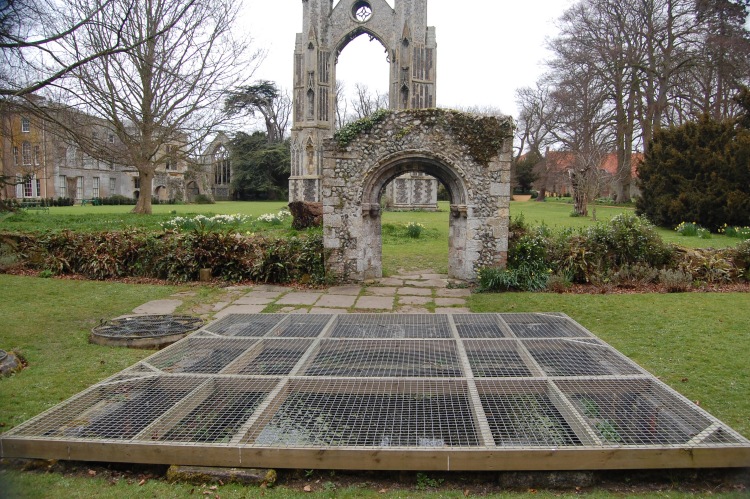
95	192
26	153
62	187
25	125
29	185
79	187
112	186
36	155
222	166
111	138
170	161
137	182
15	156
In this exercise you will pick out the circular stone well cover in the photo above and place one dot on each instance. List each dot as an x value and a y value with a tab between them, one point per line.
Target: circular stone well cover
146	331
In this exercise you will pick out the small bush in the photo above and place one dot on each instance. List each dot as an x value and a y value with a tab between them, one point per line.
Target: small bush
689	229
736	232
559	282
635	275
202	199
525	277
414	229
675	281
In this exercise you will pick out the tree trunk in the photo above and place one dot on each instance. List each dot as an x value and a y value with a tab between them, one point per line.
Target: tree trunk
143	206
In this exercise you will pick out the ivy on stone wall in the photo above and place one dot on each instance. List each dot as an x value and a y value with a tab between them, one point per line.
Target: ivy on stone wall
349	132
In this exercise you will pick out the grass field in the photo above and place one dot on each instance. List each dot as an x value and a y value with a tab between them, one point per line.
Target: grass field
698	343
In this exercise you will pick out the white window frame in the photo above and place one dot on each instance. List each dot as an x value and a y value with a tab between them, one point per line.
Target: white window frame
95	188
112	186
79	187
63	186
25	125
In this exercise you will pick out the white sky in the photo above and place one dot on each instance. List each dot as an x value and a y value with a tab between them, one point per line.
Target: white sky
486	48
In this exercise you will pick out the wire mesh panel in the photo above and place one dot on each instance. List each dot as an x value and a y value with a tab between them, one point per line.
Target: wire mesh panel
522	414
385	358
496	359
214	414
389	391
478	326
301	326
116	411
270	357
574	358
200	355
371	414
641	412
543	326
245	324
391	326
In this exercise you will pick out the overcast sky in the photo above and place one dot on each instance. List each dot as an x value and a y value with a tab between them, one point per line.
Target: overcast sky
486	48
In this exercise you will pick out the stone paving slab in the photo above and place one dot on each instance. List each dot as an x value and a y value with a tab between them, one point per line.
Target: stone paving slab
414	291
218	306
299	298
240	309
337	301
265	294
449	302
434	276
320	310
429	283
454	293
344	290
253	300
454	310
271	288
414	300
390	281
158	307
386	291
413	310
375	303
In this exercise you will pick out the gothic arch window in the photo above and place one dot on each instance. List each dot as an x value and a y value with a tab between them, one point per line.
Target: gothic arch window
222	166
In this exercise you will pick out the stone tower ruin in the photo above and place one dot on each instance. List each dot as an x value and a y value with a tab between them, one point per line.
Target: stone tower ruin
327	29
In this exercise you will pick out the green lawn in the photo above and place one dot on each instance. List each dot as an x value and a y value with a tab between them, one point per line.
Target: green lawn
698	343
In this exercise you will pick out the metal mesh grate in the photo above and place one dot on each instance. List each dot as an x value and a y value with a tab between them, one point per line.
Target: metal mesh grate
496	359
391	326
543	326
117	411
301	326
384	392
383	414
385	358
244	325
214	414
574	358
200	355
641	412
148	326
270	358
478	326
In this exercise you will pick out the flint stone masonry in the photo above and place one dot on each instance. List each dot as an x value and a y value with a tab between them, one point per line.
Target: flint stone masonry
469	154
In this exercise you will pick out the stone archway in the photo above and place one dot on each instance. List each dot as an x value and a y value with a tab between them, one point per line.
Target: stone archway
469	154
411	50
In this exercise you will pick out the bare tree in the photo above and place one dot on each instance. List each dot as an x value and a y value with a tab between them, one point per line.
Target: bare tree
168	90
365	103
341	104
35	33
